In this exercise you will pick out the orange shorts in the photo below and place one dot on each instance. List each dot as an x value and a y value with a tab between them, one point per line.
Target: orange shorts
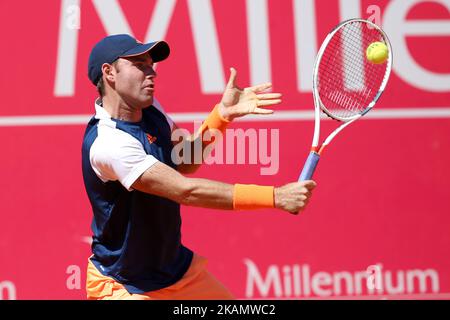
196	284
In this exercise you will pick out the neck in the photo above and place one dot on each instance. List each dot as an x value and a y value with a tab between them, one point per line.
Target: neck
120	109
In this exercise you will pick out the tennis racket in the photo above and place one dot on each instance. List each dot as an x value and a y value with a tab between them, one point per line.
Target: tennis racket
346	85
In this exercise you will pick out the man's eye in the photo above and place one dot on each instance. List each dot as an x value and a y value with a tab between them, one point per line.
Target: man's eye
143	65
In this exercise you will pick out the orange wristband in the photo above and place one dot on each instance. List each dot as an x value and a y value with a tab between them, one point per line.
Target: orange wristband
214	121
251	196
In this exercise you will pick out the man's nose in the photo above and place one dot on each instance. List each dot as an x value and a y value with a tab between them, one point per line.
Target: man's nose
151	73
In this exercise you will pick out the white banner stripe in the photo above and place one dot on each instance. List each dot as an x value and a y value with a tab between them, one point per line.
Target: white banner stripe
50	120
186	117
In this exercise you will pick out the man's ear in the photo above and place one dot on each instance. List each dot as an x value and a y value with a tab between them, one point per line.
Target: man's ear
108	72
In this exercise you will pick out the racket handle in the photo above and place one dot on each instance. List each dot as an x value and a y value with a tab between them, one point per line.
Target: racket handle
309	167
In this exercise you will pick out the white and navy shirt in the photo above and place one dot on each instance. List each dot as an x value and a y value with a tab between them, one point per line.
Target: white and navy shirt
136	236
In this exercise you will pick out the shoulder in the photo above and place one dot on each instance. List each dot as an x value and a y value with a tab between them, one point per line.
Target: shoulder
113	143
117	155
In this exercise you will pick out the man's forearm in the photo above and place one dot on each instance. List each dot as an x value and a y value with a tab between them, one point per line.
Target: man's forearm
219	195
162	180
209	194
214	123
198	155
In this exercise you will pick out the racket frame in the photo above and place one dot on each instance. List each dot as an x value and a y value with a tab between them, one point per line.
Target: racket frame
316	149
319	105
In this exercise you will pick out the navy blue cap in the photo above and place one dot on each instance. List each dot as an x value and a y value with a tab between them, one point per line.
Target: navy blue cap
111	48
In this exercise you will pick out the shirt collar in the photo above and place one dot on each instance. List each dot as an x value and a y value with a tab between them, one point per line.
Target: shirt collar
100	112
102	115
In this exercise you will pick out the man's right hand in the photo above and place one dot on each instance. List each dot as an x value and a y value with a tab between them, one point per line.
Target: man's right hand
293	197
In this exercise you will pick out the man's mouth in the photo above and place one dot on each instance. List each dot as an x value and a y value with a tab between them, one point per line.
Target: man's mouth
150	87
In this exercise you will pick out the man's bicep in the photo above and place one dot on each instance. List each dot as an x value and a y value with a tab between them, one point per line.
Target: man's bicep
120	157
163	181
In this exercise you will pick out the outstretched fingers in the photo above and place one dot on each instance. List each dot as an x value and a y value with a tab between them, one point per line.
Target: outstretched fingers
232	79
261	87
261	106
269	102
262	111
265	96
266	100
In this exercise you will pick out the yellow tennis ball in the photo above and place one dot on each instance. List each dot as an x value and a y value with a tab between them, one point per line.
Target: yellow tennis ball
377	52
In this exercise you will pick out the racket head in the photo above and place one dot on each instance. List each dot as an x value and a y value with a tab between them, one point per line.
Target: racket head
346	85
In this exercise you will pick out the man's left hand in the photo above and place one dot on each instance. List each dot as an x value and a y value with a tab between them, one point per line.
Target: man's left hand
237	102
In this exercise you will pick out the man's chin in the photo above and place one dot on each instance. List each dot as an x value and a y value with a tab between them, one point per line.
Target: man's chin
147	102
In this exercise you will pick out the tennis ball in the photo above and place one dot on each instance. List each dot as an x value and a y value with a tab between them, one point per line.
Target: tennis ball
377	52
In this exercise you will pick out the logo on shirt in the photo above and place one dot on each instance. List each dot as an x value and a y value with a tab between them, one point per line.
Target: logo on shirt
150	138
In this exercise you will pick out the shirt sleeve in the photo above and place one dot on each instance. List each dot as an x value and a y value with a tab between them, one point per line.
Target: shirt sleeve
119	156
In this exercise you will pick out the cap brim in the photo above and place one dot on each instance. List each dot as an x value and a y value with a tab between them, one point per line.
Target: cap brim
158	50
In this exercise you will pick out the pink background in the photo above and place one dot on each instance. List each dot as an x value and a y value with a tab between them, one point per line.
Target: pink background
383	186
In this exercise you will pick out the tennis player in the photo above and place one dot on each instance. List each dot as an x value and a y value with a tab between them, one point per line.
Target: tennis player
136	190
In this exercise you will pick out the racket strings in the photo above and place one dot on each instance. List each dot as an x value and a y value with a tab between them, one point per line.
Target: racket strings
350	75
347	82
352	70
374	73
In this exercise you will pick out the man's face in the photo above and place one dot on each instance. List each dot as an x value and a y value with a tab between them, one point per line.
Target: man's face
134	80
